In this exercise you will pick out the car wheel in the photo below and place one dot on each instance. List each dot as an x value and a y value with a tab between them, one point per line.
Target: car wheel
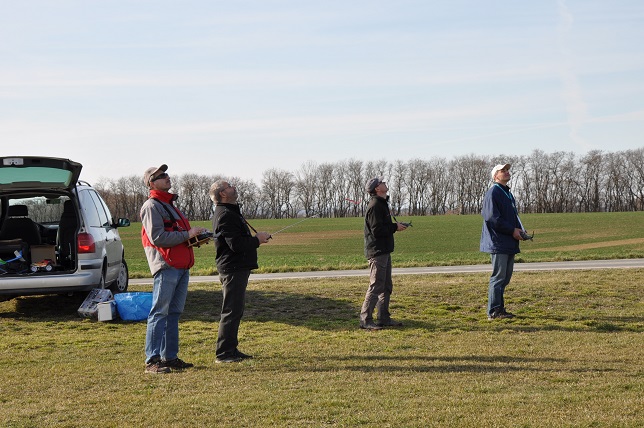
121	283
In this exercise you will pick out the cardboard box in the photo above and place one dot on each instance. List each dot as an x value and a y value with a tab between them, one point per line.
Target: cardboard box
43	252
106	310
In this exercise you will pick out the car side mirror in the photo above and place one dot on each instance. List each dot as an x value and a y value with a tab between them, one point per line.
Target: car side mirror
122	222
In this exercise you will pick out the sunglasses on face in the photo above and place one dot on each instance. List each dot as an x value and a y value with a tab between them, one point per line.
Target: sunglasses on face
160	176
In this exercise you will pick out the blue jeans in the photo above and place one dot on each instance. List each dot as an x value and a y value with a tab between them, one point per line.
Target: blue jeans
502	267
168	300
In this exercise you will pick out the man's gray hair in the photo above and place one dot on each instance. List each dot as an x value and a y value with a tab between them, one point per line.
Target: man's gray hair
215	189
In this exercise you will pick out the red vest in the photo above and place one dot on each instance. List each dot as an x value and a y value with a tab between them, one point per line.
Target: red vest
180	256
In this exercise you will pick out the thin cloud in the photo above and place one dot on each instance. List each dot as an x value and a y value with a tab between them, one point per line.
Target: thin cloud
572	92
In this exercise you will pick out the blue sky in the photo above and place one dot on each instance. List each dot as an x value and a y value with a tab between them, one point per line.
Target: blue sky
239	87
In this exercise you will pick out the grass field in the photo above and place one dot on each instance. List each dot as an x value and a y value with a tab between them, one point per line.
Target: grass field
572	357
332	244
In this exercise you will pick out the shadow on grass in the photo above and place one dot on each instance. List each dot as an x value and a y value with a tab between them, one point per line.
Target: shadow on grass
442	364
43	308
265	306
316	313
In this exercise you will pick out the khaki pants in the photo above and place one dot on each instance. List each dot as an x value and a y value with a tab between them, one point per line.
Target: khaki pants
379	291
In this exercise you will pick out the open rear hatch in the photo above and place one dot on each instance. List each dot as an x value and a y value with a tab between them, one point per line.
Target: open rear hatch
34	206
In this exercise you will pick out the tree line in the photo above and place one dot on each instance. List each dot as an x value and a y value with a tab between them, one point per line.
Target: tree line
541	183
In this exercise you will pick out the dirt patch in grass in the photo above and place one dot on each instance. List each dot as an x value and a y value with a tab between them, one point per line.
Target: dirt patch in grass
592	245
312	237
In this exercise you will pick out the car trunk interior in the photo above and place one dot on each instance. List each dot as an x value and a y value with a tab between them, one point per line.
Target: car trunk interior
38	236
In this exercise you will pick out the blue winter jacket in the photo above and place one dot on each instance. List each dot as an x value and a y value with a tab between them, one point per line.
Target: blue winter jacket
499	221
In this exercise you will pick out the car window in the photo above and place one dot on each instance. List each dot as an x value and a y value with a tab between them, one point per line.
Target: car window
101	208
35	175
89	208
106	208
42	209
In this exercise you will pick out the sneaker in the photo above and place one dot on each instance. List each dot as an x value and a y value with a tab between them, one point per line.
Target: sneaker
507	314
177	364
500	314
156	367
241	355
390	323
229	359
370	325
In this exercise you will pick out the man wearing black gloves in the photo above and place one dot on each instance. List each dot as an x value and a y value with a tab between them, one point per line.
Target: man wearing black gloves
378	245
236	257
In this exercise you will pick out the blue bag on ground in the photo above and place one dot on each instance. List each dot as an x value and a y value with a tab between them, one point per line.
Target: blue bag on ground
133	306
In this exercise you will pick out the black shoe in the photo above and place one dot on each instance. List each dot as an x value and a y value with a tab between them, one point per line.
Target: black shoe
499	314
370	325
390	323
177	364
241	355
228	359
507	314
156	367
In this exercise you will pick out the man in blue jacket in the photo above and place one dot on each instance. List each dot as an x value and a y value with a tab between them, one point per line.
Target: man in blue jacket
500	237
236	257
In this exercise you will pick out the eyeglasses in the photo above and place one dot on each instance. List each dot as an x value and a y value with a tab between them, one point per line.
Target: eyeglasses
160	176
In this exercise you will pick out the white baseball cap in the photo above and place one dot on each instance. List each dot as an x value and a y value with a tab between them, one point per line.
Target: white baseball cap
499	168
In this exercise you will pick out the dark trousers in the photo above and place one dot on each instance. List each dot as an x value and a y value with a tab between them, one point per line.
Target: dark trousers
232	309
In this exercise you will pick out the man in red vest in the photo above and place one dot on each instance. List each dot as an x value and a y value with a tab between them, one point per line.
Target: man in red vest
165	234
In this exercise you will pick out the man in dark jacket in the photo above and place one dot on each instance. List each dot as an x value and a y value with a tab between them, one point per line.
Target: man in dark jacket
500	237
378	245
236	257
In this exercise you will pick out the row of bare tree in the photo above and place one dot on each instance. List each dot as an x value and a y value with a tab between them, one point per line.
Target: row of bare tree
541	183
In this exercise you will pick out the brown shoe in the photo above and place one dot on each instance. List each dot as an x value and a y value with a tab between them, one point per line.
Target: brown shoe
177	364
156	367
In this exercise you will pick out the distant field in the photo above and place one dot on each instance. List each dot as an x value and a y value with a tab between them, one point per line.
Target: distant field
332	244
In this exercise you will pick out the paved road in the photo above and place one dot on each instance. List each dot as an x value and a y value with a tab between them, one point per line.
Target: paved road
518	267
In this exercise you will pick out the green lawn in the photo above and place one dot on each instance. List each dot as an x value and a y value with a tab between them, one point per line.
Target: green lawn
332	244
572	357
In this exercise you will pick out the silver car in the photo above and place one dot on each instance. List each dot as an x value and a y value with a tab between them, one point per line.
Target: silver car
56	234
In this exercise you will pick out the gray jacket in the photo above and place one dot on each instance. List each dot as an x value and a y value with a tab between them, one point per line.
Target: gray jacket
164	234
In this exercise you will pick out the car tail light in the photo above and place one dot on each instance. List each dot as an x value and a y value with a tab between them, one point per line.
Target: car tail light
86	243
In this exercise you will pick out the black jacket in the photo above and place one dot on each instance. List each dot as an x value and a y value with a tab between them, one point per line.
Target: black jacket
236	247
378	228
